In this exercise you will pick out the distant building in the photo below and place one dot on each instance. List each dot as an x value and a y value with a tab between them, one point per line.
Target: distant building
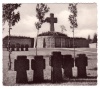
47	40
18	40
59	40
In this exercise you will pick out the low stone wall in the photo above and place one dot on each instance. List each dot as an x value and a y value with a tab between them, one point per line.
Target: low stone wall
50	42
93	45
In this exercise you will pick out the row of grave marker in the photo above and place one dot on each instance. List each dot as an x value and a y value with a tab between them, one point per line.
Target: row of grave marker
19	48
57	62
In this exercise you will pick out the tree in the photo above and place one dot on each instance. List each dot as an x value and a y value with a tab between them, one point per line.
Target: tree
89	39
41	10
73	20
9	14
95	38
63	28
12	18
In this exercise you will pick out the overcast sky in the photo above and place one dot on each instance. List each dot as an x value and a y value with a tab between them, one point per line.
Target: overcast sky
87	20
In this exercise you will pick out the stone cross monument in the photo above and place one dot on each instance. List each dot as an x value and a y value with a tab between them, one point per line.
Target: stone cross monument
51	20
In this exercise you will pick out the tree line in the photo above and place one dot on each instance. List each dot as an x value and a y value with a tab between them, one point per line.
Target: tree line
93	40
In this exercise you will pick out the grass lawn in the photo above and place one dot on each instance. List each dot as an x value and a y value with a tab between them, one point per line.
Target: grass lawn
9	77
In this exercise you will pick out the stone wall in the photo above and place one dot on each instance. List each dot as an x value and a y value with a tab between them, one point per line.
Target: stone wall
60	42
81	43
57	42
93	45
67	44
45	42
51	42
40	42
63	42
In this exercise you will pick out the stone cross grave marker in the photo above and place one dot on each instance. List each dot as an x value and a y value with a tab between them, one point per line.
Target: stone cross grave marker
51	20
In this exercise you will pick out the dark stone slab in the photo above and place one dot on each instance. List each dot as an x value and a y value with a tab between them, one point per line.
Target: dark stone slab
38	64
68	63
56	67
21	65
81	62
32	64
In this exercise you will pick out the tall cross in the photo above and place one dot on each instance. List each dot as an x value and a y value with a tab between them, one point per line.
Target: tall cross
51	20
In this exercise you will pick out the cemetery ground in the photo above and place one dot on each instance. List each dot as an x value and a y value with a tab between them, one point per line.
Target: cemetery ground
9	76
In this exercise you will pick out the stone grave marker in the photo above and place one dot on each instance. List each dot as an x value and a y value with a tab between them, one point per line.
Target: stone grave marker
21	65
22	47
81	62
68	63
56	67
38	65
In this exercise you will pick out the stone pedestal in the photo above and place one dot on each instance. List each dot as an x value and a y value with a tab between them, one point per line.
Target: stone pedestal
68	63
21	65
38	64
81	62
56	67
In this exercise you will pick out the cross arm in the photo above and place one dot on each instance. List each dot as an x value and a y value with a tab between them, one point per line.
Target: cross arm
55	20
